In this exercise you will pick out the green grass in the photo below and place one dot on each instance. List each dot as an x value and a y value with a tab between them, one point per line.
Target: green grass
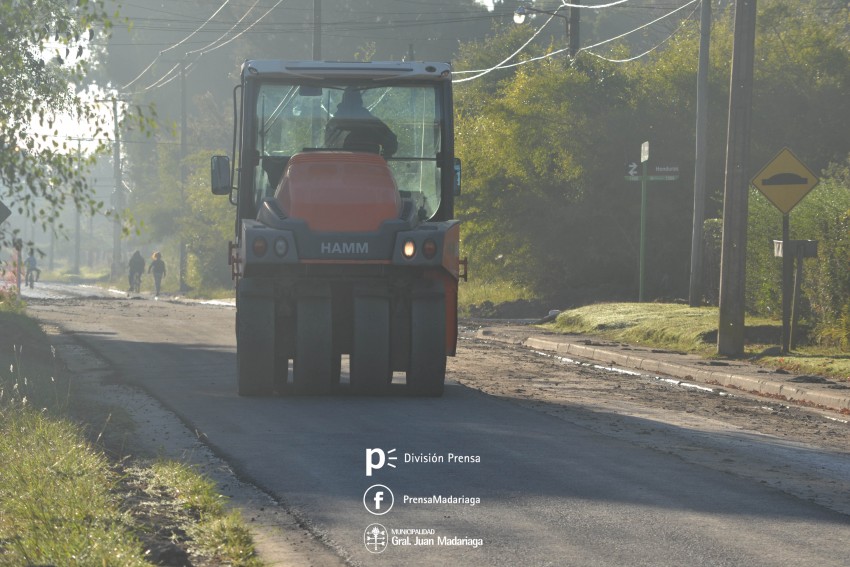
63	501
693	329
190	504
57	504
669	326
212	293
476	292
87	275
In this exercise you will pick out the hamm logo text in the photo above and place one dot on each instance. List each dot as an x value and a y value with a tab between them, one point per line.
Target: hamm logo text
345	247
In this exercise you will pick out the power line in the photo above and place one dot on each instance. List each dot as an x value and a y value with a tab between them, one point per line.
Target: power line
145	70
170	75
501	65
222	36
245	30
483	72
682	7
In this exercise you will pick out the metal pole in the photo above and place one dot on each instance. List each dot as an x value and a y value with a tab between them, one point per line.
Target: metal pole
642	232
695	288
18	265
184	150
50	258
787	275
730	331
795	301
573	31
77	232
117	265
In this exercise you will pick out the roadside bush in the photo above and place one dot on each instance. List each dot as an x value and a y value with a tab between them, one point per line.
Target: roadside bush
824	215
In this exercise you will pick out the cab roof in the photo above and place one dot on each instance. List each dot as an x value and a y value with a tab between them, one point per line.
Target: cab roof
376	70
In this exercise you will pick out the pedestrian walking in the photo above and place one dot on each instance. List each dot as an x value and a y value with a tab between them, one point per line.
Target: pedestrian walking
33	272
157	267
137	268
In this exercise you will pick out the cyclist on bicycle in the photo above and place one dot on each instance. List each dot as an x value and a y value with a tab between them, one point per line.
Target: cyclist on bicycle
137	268
33	273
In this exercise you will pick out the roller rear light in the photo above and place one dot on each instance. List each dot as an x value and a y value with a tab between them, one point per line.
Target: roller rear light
260	246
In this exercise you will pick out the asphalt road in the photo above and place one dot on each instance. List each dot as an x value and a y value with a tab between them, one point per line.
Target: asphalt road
535	490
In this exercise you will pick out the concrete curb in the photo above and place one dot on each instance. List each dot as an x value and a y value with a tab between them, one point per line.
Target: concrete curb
757	385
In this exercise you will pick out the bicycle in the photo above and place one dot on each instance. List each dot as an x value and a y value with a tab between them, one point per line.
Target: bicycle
136	282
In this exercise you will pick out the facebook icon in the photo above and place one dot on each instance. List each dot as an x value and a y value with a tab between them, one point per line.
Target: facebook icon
378	499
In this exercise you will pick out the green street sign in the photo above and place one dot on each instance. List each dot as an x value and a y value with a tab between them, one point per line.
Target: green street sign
655	173
652	178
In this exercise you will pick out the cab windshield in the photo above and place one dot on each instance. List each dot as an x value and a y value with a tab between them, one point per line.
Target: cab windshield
401	123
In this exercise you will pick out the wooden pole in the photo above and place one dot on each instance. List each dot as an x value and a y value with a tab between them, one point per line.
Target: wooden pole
730	331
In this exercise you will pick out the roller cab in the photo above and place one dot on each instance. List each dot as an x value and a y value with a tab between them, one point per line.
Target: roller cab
343	180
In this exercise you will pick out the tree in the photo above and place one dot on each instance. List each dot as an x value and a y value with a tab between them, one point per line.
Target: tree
44	65
545	147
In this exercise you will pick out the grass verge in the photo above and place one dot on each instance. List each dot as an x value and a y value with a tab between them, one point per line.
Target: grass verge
477	292
694	329
64	502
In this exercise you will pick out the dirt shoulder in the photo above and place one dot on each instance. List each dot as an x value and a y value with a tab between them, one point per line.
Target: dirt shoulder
800	450
135	430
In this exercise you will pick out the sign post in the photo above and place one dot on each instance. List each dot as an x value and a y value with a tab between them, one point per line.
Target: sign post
670	173
785	180
4	214
644	157
19	245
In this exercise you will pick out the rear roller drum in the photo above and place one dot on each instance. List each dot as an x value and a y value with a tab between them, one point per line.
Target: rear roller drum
426	374
255	341
370	353
313	365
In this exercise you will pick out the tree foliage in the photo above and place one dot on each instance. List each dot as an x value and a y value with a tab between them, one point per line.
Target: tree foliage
546	147
44	66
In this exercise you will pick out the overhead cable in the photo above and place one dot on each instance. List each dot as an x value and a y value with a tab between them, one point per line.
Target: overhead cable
482	72
170	75
656	20
267	12
222	36
199	28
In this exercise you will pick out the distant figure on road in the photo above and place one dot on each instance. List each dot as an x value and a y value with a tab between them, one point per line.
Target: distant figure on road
137	268
31	265
354	128
158	269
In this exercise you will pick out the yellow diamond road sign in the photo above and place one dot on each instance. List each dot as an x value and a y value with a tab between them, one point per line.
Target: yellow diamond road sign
785	181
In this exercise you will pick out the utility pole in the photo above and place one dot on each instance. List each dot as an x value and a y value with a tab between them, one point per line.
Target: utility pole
77	235
695	289
184	147
573	31
118	196
730	331
317	30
